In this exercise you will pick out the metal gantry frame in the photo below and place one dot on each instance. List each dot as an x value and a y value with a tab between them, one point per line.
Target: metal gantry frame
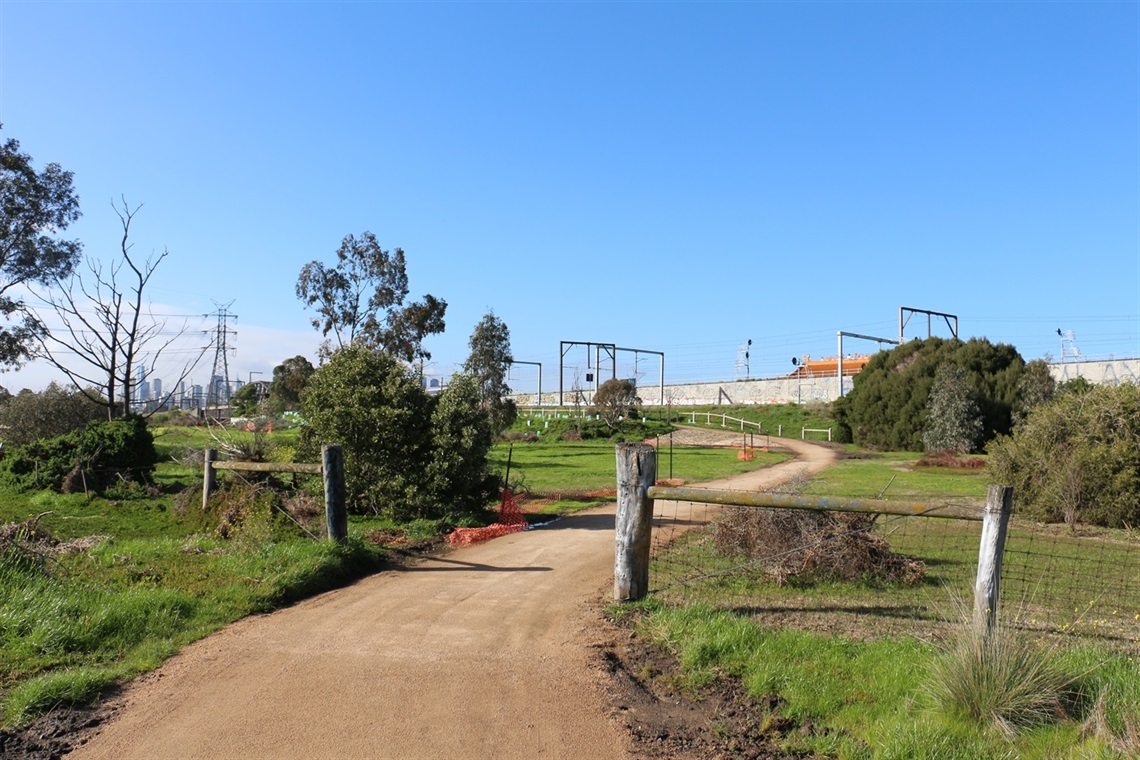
534	364
929	333
842	335
611	350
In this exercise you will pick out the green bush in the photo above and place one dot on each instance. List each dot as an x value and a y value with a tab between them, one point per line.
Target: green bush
459	479
887	408
408	455
1075	458
30	416
101	455
369	403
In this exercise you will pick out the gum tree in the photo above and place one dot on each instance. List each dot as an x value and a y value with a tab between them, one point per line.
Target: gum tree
34	208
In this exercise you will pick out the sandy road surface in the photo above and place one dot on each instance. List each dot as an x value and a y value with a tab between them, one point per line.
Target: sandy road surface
483	653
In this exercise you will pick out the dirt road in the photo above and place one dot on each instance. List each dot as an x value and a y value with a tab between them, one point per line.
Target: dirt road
483	653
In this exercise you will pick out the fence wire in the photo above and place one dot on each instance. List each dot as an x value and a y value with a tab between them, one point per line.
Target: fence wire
1079	582
890	575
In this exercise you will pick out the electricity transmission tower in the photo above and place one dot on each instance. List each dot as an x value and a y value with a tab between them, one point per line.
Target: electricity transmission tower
218	391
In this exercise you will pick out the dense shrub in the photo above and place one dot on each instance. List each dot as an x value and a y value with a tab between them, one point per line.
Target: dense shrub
953	416
459	479
101	455
887	408
408	455
369	403
1076	459
29	416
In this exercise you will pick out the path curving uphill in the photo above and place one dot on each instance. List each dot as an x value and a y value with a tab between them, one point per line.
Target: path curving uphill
482	653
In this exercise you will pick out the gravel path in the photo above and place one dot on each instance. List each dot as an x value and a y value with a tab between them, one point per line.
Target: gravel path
482	653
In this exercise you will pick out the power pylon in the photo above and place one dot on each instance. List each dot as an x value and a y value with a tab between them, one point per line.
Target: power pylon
218	390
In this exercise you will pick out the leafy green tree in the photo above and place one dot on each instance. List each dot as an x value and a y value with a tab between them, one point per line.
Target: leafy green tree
459	478
34	208
488	364
246	401
29	416
953	418
1035	386
407	455
361	299
289	380
1077	386
887	407
1075	459
371	404
615	401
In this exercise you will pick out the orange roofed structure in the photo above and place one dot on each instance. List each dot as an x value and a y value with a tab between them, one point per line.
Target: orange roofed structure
829	366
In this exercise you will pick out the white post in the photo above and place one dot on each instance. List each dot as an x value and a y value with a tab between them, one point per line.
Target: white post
995	525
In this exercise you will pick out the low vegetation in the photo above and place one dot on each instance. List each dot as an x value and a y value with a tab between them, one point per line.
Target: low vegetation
883	697
903	678
787	420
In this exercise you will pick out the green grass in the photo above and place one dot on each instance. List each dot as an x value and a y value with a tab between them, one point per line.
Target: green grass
870	699
884	687
91	619
792	418
895	476
586	466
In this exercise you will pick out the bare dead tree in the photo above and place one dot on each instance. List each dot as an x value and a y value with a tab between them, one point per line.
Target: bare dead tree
108	331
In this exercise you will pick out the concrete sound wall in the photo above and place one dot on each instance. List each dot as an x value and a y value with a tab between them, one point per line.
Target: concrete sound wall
785	390
1108	372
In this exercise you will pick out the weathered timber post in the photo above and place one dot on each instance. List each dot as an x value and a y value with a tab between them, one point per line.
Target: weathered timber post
209	475
336	512
995	525
636	469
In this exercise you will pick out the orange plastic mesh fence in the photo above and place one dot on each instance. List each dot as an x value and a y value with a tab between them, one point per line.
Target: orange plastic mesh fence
511	520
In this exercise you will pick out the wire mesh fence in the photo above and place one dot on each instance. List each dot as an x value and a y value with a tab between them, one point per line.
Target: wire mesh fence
890	574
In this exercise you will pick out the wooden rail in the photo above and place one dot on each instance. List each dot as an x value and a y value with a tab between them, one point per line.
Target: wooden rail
331	469
816	503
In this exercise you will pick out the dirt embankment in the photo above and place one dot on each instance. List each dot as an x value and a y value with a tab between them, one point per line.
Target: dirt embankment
495	651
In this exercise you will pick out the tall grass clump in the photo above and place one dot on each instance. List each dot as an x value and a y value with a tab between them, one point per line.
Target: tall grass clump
1002	678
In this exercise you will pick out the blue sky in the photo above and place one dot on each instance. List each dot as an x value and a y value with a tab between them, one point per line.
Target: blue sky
679	177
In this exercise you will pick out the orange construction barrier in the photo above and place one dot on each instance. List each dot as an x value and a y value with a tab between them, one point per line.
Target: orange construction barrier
511	520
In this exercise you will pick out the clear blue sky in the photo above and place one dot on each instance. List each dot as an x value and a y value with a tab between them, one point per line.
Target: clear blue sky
678	177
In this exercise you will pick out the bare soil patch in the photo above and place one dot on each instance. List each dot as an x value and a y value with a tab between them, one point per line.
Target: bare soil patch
664	718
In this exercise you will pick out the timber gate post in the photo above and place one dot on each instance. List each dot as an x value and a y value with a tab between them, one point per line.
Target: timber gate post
336	512
209	476
636	470
995	525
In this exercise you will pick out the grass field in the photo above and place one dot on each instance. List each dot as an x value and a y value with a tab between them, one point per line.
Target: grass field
856	660
790	419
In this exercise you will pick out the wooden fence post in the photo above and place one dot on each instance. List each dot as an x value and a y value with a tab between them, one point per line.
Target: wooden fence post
636	469
995	525
209	475
336	512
